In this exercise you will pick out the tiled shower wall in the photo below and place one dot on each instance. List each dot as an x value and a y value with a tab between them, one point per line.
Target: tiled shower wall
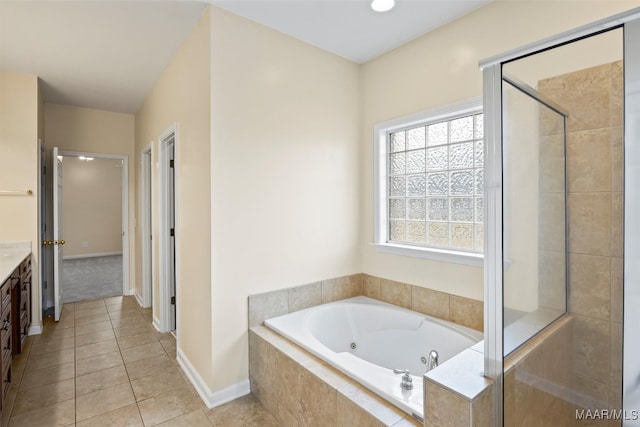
594	100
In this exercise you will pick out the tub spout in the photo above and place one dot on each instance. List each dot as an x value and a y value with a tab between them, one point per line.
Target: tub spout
432	362
407	381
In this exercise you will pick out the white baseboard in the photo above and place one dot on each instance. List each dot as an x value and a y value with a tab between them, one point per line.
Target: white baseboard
34	330
211	399
156	323
132	292
91	255
138	299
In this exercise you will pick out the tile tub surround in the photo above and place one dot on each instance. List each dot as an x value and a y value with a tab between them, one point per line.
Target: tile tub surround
456	309
297	388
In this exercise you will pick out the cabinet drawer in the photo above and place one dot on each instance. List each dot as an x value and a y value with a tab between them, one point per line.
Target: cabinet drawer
6	381
5	295
6	350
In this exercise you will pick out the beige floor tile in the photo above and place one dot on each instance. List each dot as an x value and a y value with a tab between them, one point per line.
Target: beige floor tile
93	327
40	377
130	322
94	337
192	419
124	305
128	313
47	360
99	380
51	346
143	351
169	405
128	416
38	397
150	366
96	349
104	317
102	401
138	339
244	411
83	305
58	414
169	346
125	331
98	363
89	312
53	334
8	404
159	383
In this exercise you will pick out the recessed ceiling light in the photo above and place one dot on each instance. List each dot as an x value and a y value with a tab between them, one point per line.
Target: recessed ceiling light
382	5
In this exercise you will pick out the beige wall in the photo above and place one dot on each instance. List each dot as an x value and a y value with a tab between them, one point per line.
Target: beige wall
182	96
20	127
92	206
87	130
438	69
285	180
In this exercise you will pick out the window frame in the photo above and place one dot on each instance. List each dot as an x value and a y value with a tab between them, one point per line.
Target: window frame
380	196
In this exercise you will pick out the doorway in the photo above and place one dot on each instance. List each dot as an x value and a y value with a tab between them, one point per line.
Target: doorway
146	224
167	230
96	259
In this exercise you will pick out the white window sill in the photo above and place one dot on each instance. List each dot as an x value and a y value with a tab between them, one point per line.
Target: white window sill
442	255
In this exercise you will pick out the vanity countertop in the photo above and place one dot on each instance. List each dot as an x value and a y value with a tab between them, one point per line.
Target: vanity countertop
11	255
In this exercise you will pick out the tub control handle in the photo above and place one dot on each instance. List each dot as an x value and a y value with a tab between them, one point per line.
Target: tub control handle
407	381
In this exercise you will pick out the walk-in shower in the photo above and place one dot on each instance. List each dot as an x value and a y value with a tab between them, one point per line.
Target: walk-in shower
562	130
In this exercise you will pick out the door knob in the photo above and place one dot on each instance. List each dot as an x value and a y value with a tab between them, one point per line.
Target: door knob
62	242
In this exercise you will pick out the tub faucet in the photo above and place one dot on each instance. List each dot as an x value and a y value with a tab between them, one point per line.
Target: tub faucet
407	381
432	362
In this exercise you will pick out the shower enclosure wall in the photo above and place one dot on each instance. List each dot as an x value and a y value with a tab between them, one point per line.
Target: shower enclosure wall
561	149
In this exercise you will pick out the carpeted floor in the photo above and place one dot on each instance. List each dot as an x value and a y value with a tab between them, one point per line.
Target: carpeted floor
91	278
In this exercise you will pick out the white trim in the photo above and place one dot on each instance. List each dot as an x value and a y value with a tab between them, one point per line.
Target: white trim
211	399
380	191
98	255
163	235
146	223
34	330
138	298
155	322
562	38
131	292
465	258
126	238
631	345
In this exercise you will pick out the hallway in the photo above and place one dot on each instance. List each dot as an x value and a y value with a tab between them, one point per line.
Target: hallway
104	364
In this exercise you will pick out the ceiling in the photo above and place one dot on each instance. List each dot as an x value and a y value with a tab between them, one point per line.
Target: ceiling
108	54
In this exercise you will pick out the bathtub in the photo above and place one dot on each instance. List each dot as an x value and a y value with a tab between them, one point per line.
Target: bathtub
366	339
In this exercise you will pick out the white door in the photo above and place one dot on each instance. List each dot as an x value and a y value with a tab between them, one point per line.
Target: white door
57	233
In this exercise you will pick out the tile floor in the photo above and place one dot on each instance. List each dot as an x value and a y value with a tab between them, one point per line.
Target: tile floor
104	364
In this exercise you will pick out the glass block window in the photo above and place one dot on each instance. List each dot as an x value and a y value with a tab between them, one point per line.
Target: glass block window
435	184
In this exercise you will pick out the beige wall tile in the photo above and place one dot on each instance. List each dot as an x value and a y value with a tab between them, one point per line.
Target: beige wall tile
552	278
591	350
267	305
585	93
509	408
590	223
552	161
444	408
430	302
617	159
466	312
589	160
318	401
395	293
590	393
359	407
371	287
243	411
617	272
305	296
617	224
615	378
590	284
341	288
617	93
552	222
482	409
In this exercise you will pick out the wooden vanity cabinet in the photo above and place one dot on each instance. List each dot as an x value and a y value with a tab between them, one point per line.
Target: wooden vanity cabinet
21	305
6	332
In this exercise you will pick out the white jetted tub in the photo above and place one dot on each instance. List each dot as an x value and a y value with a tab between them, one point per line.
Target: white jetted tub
366	339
